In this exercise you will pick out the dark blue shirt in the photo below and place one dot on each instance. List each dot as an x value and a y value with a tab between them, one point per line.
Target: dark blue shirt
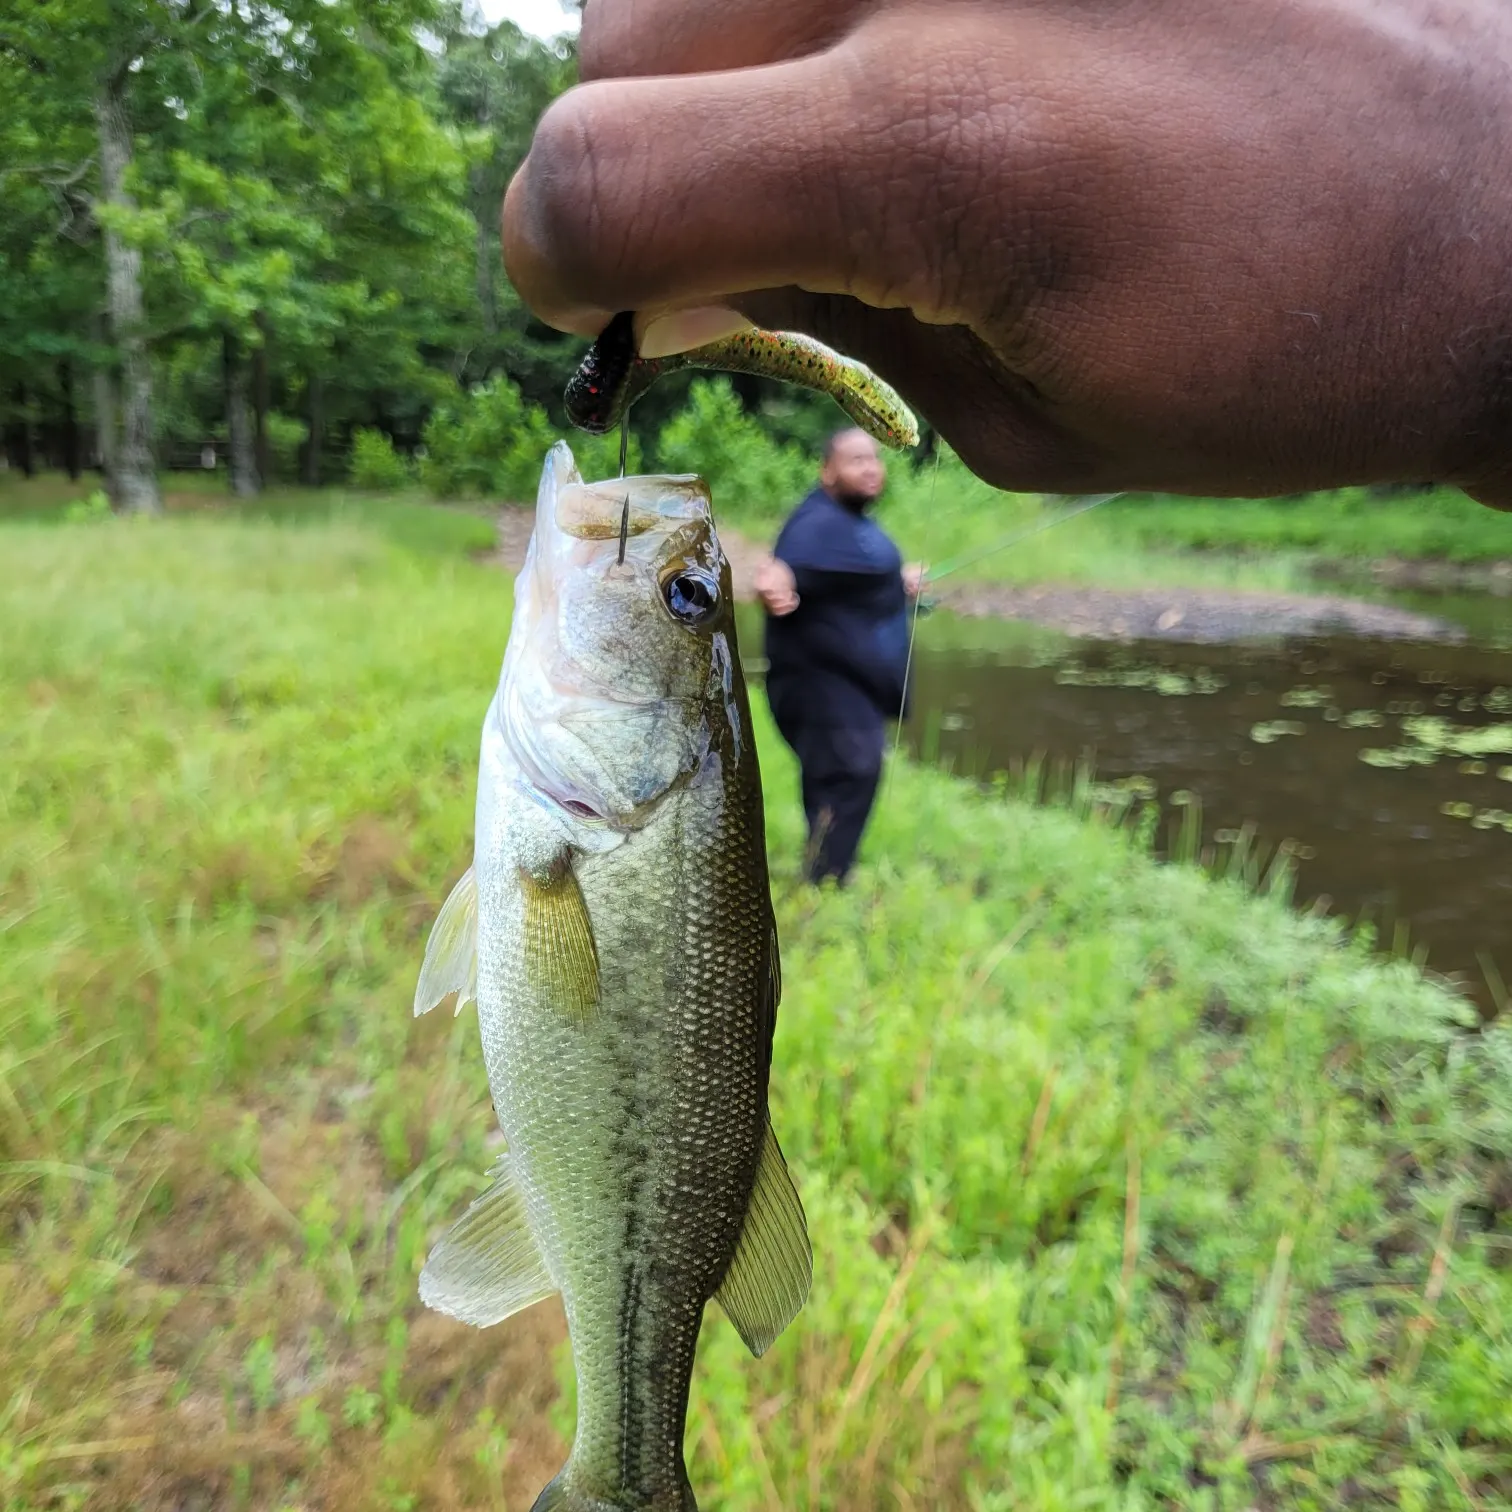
842	655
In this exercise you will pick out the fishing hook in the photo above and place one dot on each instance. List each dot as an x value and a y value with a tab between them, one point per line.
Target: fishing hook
624	531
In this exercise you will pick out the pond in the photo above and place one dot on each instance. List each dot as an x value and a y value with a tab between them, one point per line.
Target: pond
1386	765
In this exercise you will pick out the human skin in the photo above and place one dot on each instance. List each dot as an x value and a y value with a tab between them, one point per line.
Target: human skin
1234	247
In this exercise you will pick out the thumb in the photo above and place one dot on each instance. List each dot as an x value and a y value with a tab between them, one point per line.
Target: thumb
646	194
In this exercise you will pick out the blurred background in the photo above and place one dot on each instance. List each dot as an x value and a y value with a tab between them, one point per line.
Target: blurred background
1147	1090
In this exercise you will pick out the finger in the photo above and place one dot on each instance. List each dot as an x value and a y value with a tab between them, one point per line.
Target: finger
653	37
646	194
641	194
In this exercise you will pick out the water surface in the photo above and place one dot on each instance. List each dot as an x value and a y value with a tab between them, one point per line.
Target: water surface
1387	764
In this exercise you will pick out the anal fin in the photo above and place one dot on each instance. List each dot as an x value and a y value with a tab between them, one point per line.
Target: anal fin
451	953
487	1266
768	1280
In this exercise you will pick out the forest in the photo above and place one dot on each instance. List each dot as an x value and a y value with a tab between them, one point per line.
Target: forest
241	234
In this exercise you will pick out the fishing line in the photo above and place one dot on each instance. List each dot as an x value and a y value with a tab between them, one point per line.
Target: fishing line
913	622
971	558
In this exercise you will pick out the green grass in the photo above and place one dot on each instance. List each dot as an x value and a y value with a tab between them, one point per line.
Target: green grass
1128	1188
1353	524
942	517
1146	541
408	519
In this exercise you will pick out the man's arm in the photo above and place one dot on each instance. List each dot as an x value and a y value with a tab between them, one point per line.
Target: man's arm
1210	246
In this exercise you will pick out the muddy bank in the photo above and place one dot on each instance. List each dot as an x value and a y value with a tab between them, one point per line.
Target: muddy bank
1176	614
1414	573
1191	614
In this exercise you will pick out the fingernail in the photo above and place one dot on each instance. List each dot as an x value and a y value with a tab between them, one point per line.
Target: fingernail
682	330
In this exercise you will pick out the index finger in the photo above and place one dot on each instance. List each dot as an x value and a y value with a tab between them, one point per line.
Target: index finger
640	194
650	194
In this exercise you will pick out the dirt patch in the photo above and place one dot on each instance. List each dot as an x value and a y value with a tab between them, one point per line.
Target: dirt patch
370	855
1176	614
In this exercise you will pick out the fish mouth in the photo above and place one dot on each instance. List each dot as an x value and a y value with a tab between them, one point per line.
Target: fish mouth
599	728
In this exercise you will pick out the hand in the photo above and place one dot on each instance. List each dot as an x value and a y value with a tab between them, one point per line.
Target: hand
1196	245
776	587
913	579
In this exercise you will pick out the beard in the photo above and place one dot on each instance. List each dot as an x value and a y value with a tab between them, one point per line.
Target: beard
858	503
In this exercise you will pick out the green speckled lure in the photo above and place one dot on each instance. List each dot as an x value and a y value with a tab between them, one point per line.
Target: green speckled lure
612	377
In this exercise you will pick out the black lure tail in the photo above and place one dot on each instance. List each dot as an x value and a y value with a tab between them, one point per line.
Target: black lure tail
598	393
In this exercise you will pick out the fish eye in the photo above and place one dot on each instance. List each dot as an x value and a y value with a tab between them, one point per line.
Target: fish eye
691	595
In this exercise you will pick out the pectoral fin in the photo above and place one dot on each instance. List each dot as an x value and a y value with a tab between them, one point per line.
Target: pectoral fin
560	956
768	1280
487	1267
451	954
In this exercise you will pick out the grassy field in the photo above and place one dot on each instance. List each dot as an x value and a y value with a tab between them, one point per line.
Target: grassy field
1144	540
1440	524
944	516
1128	1189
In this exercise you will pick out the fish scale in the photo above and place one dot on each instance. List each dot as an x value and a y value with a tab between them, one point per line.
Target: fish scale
679	1101
616	929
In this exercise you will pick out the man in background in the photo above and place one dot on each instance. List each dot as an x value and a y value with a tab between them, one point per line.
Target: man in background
836	595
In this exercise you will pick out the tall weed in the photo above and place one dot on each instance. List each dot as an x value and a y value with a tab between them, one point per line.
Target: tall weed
1128	1188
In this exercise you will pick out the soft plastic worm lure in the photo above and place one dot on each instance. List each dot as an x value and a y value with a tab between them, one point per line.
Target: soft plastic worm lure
612	377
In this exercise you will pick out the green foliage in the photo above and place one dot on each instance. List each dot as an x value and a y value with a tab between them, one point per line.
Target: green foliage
750	476
88	511
1128	1189
307	200
494	85
375	463
490	444
486	444
285	437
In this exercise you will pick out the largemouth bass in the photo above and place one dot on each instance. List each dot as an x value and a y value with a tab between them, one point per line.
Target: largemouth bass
616	930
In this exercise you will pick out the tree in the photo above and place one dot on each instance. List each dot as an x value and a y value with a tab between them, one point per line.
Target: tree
49	258
68	62
494	83
263	205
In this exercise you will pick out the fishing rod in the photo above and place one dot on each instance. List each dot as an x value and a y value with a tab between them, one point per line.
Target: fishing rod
971	558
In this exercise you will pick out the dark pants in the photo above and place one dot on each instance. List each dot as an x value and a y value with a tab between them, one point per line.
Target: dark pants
841	766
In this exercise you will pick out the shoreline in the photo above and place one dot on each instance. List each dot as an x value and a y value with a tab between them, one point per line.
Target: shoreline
1203	615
